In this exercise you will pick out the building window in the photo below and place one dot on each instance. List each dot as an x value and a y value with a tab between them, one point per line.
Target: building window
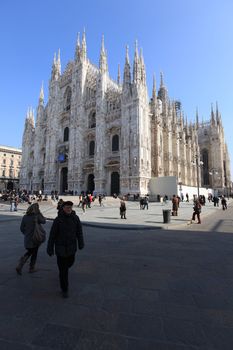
92	148
3	173
67	98
4	161
92	120
115	143
66	134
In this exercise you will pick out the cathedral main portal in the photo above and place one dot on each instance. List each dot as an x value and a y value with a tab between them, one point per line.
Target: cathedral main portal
64	180
90	183
115	183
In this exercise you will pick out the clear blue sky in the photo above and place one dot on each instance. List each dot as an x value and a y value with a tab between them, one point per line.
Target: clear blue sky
191	41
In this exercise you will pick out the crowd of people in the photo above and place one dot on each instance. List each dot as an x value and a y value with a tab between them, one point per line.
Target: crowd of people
66	232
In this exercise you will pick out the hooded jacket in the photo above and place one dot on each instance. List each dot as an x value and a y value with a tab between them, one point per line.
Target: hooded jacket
64	234
27	228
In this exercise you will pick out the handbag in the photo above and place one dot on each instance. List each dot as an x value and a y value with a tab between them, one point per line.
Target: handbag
39	234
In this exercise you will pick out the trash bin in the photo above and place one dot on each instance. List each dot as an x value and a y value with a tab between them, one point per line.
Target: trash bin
166	216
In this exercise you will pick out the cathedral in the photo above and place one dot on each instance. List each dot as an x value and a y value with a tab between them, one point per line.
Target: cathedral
107	136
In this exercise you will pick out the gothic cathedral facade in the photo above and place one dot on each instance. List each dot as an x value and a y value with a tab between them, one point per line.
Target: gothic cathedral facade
100	135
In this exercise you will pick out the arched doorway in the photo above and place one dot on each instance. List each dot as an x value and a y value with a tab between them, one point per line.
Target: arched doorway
90	183
115	183
10	186
64	180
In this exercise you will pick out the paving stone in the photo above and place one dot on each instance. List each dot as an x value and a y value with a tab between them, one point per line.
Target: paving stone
7	345
58	337
145	344
211	301
184	332
219	337
101	341
143	326
180	297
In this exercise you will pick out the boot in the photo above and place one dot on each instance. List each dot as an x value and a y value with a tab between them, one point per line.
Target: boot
19	267
32	269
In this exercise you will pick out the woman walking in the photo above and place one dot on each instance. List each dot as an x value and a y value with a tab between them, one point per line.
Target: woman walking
197	211
27	227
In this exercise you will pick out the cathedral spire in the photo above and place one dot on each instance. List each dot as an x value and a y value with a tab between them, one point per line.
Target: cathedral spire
84	46
30	117
161	80
186	122
162	93
212	115
102	45
127	55
56	68
103	58
143	69
136	66
197	119
127	73
119	75
59	62
41	97
217	114
54	59
78	49
154	89
174	114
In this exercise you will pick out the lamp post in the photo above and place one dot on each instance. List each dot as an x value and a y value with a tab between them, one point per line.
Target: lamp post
198	164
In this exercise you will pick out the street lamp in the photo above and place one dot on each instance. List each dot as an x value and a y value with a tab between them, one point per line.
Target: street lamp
198	163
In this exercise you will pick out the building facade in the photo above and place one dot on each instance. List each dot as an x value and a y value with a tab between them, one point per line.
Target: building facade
108	136
10	163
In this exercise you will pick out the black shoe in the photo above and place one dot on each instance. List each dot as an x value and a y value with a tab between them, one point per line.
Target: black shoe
65	294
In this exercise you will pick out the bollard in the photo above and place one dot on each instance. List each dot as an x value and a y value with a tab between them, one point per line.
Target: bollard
166	216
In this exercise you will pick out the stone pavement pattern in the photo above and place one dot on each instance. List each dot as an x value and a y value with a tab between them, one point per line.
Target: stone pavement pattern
129	289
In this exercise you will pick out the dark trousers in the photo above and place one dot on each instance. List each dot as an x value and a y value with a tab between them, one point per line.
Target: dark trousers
31	252
198	216
64	263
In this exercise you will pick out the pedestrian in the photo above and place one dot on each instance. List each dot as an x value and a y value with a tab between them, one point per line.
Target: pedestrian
122	209
197	211
146	203
65	232
141	202
100	200
16	202
224	203
27	227
80	200
84	204
59	204
187	197
175	205
12	203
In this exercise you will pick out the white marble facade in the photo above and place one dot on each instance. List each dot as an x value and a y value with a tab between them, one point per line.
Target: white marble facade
98	134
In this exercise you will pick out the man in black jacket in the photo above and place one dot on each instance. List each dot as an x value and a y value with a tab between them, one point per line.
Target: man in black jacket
64	234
